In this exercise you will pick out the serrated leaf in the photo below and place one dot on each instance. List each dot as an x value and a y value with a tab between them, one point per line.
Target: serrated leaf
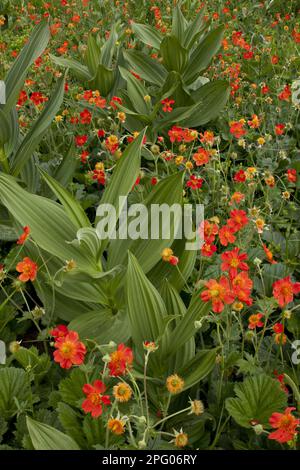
257	398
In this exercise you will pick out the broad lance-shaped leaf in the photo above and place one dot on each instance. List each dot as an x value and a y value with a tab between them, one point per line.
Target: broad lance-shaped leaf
147	34
5	130
194	29
136	92
147	250
122	181
72	207
39	128
176	308
146	310
185	329
149	69
257	398
103	80
50	226
79	70
203	54
198	367
45	437
92	55
31	51
174	55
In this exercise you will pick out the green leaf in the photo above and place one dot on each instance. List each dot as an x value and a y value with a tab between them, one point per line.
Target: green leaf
80	71
198	367
65	171
102	327
257	398
211	99
39	128
5	131
46	437
136	92
72	207
14	386
147	35
108	49
149	69
123	178
50	226
92	55
179	24
148	251
31	51
8	233
146	309
71	423
29	358
103	80
174	55
71	387
185	329
203	54
194	29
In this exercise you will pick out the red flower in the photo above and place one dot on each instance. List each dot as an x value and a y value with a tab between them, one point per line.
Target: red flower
255	321
114	100
278	328
60	331
201	157
292	175
167	105
219	293
94	398
284	290
175	134
80	140
279	129
69	350
194	182
120	360
232	261
37	98
85	117
208	249
28	270
240	176
242	286
237	128
285	94
286	425
22	238
208	231
238	219
226	235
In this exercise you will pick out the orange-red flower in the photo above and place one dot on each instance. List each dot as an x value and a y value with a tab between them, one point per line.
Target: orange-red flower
291	175
95	398
284	290
120	360
242	286
23	237
208	231
255	321
237	128
233	260
60	331
219	293
238	219
167	105
226	235
194	182
269	254
28	269
69	350
285	424
201	157
208	249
